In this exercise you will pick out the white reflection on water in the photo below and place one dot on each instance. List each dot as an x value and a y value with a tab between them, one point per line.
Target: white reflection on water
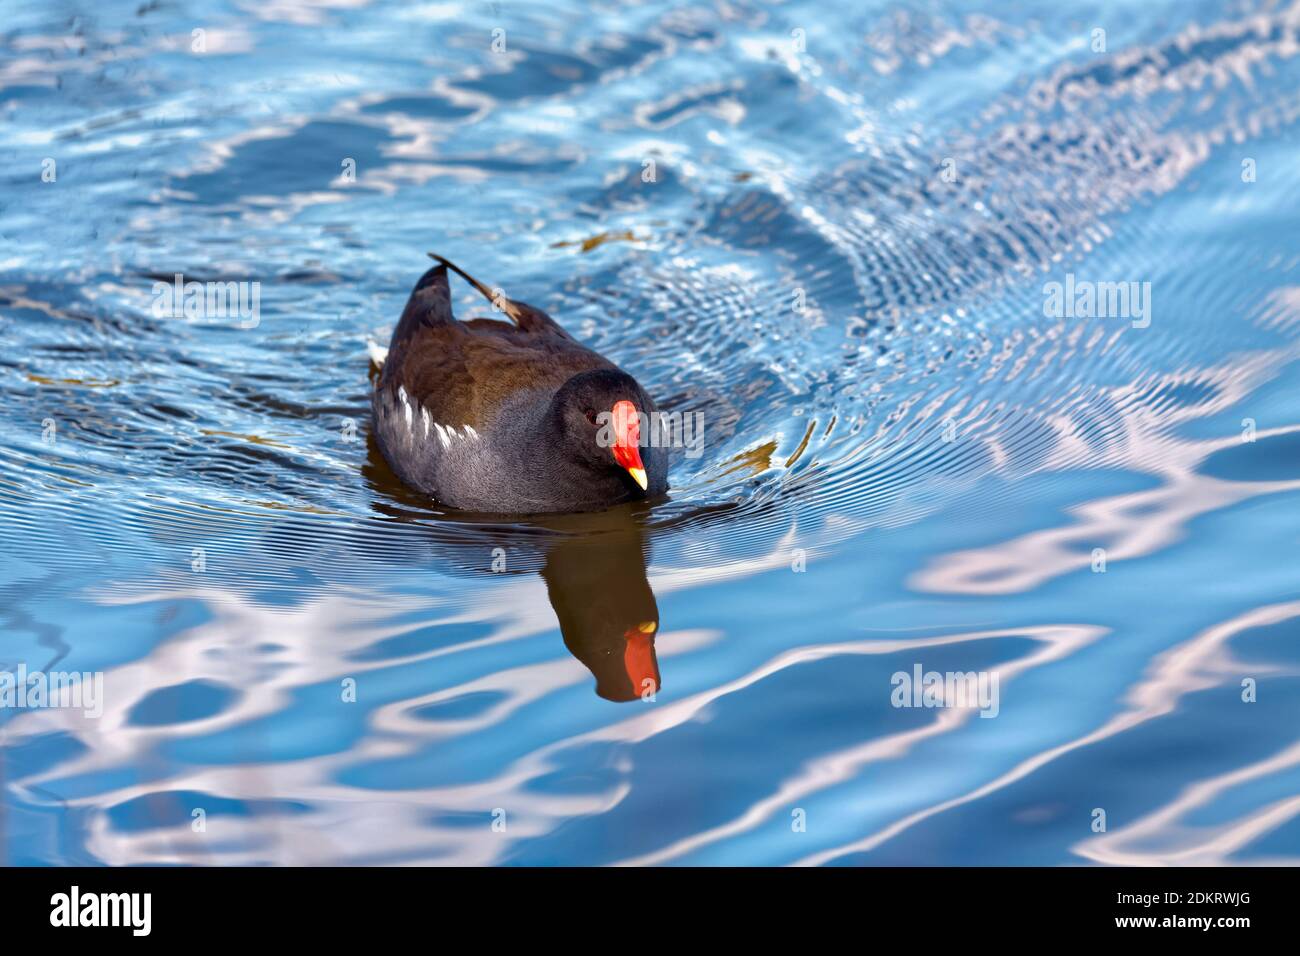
1199	663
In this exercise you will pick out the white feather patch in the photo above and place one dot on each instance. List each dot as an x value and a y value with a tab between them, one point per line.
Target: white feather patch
378	353
406	406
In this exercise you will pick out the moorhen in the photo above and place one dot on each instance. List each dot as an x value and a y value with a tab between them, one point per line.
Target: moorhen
509	417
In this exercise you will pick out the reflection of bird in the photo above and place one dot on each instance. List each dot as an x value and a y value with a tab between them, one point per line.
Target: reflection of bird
509	417
607	612
594	565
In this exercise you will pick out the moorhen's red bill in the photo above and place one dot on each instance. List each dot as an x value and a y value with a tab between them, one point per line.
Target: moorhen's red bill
509	417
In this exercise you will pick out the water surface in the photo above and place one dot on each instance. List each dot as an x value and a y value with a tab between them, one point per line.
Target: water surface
829	231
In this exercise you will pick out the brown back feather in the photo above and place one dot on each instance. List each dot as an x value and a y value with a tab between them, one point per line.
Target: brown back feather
462	372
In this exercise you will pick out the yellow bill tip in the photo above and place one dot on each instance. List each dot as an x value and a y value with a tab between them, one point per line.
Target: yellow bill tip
648	627
638	475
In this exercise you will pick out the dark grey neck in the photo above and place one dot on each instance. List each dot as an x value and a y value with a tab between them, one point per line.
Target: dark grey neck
531	442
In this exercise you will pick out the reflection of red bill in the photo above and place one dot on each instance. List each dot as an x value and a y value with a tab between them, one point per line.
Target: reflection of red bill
627	439
639	657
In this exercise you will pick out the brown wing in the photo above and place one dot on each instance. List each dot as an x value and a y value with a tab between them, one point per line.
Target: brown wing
462	372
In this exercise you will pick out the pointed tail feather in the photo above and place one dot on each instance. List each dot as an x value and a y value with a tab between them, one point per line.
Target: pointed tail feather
498	300
524	316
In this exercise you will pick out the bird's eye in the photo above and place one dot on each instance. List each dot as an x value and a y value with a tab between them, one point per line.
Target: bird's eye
591	415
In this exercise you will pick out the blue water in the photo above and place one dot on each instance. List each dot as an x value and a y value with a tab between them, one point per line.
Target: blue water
829	229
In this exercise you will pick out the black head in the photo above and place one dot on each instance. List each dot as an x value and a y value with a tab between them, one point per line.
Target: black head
603	417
